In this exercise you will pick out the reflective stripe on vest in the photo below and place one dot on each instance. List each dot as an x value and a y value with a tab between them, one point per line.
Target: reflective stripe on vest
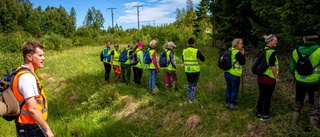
25	117
190	60
268	71
116	58
236	69
315	60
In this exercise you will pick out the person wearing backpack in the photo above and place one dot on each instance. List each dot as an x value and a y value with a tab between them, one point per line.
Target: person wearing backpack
27	87
138	68
233	75
190	58
105	58
170	71
126	67
153	66
307	83
115	64
269	79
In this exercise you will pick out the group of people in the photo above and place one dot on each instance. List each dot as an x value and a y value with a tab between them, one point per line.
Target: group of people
305	83
190	57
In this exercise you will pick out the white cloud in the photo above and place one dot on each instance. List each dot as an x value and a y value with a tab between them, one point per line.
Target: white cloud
160	11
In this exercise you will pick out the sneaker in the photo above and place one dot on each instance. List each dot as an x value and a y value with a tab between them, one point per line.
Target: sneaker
190	102
259	116
232	106
266	118
227	106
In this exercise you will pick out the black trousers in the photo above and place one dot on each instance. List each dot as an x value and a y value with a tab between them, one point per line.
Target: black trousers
137	74
264	100
29	130
313	97
107	68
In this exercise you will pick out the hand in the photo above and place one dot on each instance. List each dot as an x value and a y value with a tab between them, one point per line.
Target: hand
242	51
278	80
49	133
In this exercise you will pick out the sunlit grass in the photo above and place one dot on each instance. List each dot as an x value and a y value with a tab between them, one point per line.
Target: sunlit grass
82	104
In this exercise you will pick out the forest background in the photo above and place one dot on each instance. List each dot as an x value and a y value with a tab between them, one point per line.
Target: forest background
214	24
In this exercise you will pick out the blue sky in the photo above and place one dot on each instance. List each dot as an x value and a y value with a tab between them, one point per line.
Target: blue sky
151	12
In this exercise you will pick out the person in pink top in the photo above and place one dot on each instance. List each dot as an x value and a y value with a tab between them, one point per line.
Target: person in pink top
153	66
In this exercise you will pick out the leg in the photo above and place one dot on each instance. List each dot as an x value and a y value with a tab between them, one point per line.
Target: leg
167	79
228	89
174	78
235	83
128	74
139	75
261	99
107	68
267	101
135	75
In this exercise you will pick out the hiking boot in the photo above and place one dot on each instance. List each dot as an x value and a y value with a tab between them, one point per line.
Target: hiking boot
227	105
232	106
295	117
314	121
173	86
259	116
166	86
266	118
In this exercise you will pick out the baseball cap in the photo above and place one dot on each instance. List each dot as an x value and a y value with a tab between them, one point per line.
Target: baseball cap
140	44
171	44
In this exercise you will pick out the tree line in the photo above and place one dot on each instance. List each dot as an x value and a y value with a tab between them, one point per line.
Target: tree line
211	20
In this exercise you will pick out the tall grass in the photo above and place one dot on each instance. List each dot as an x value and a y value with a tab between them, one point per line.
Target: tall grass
82	104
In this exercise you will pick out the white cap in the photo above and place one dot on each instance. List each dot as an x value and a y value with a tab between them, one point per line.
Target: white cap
171	44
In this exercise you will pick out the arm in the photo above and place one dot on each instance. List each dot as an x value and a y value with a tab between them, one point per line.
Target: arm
241	58
200	56
37	115
154	60
172	59
273	68
111	58
101	56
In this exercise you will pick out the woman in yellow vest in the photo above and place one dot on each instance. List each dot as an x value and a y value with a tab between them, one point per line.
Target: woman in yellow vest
105	58
269	79
233	75
126	67
307	84
138	68
190	58
153	66
115	64
171	70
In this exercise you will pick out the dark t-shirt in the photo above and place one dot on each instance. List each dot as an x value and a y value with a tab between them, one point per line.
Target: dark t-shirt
264	78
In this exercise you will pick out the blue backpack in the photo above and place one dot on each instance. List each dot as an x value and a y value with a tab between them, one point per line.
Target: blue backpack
123	56
106	55
163	61
146	57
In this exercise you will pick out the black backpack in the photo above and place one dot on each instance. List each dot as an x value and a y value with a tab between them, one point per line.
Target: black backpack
225	61
259	64
134	59
303	64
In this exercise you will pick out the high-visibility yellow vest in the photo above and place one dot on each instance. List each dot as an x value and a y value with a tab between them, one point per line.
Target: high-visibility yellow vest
151	65
105	60
268	72
116	58
139	65
191	63
315	60
236	69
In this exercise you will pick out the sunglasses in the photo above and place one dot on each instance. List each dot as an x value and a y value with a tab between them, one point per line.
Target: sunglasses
116	46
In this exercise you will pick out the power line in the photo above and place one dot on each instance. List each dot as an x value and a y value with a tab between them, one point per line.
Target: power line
138	15
111	14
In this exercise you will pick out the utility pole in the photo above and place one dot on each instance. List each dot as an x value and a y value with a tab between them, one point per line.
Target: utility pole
153	22
138	15
111	14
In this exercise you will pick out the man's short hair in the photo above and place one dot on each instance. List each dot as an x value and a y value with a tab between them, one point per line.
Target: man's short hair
30	48
191	41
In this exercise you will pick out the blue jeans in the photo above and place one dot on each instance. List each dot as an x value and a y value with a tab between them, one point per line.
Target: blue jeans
153	79
233	83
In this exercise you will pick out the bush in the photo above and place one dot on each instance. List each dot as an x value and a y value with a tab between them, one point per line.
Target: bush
11	42
55	42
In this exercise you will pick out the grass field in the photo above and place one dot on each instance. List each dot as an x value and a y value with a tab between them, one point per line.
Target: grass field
82	104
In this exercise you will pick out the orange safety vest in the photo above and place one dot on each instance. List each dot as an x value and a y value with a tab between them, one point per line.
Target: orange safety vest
25	117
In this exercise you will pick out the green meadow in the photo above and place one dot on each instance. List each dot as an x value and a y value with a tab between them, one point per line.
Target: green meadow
83	104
